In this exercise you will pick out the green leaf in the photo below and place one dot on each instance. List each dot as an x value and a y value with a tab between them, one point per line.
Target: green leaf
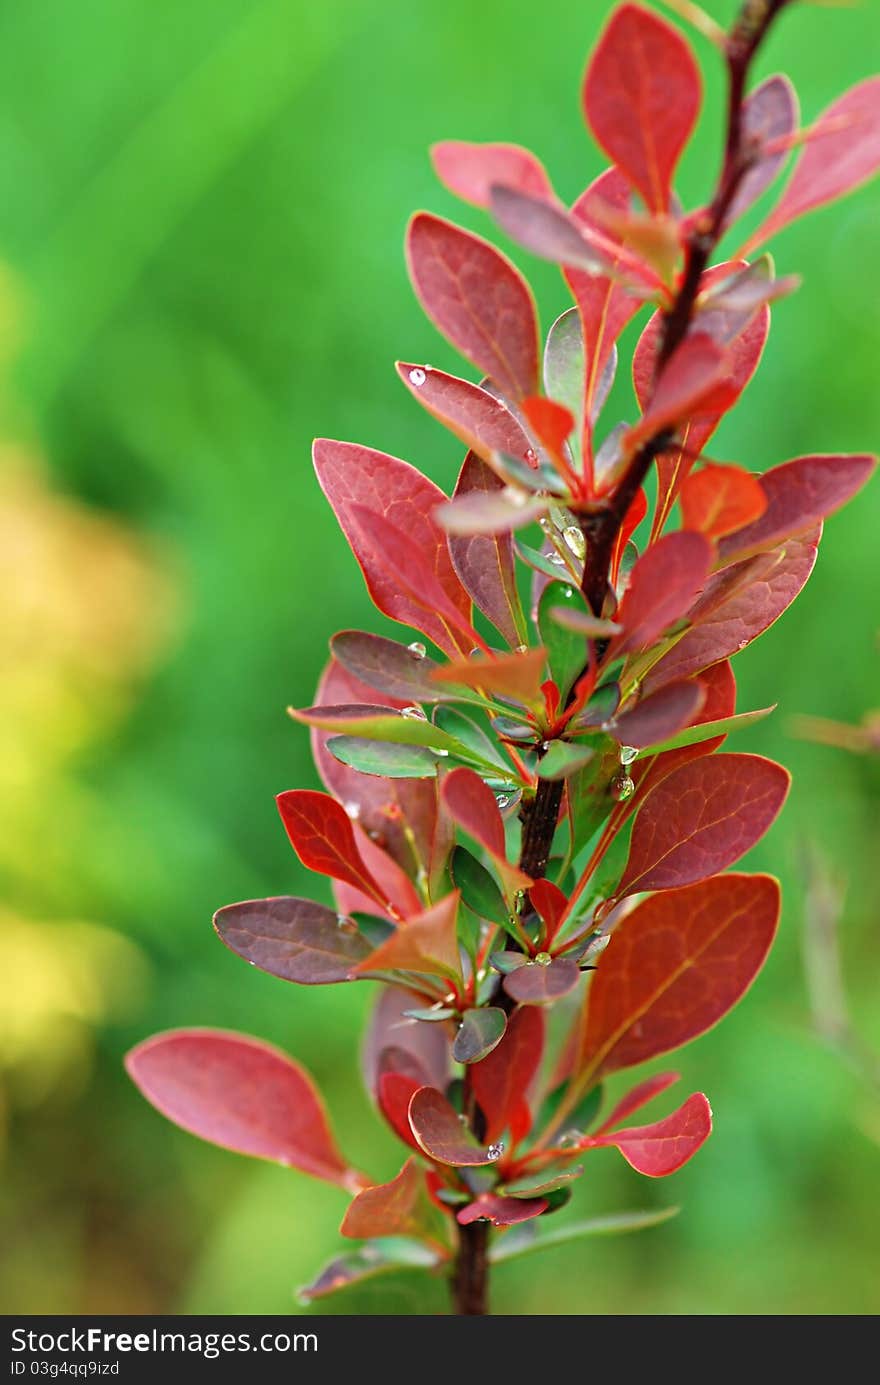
480	1031
479	890
563	759
566	649
533	558
469	734
506	962
564	368
693	735
589	802
529	1239
378	725
539	1184
384	759
470	929
432	1015
375	929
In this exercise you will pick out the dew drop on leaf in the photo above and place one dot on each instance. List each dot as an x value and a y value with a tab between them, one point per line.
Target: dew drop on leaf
557	559
353	810
621	787
495	1151
502	799
417	650
417	377
413	713
543	959
575	540
628	753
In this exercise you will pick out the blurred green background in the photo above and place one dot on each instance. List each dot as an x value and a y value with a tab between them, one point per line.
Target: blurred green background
202	205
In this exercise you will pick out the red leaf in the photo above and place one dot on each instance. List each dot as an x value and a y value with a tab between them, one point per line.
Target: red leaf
834	163
798	495
502	1211
641	99
478	299
701	819
469	170
472	805
537	984
769	115
392	880
383	806
291	938
638	1097
482	422
662	588
427	943
241	1094
549	231
485	562
631	521
323	839
398	1208
355	477
394	1094
719	687
440	1134
552	422
660	1149
501	1079
689	383
717	500
551	904
740	618
604	304
675	966
426	1046
660	715
512	675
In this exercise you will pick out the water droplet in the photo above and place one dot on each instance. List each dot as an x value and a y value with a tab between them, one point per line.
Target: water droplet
531	456
622	787
353	810
522	649
502	799
463	1118
516	497
345	924
435	750
742	644
422	878
628	753
575	540
544	523
416	650
568	593
413	713
570	1139
417	377
543	959
495	1151
376	836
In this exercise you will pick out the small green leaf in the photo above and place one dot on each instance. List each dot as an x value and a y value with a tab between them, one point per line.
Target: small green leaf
384	759
469	734
600	708
480	1031
378	725
563	759
506	962
566	649
693	735
469	930
564	368
539	1184
530	1238
533	558
376	930
432	1015
479	890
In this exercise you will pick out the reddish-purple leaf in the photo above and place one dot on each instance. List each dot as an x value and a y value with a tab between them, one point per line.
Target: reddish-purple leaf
659	715
482	422
322	836
241	1094
493	512
425	1047
718	500
427	943
501	1080
798	495
469	170
485	562
675	966
719	687
723	628
394	1094
441	1135
660	1149
641	99
388	667
502	1211
542	984
354	477
604	304
398	1208
663	585
292	938
701	819
638	1097
478	299
769	115
687	384
471	803
383	806
547	230
836	161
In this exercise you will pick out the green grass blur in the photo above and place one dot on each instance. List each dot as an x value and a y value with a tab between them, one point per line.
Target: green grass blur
202	205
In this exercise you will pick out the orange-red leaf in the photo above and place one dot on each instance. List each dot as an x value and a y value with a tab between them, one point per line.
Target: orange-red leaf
663	585
717	500
660	1149
427	943
512	675
323	838
398	1208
